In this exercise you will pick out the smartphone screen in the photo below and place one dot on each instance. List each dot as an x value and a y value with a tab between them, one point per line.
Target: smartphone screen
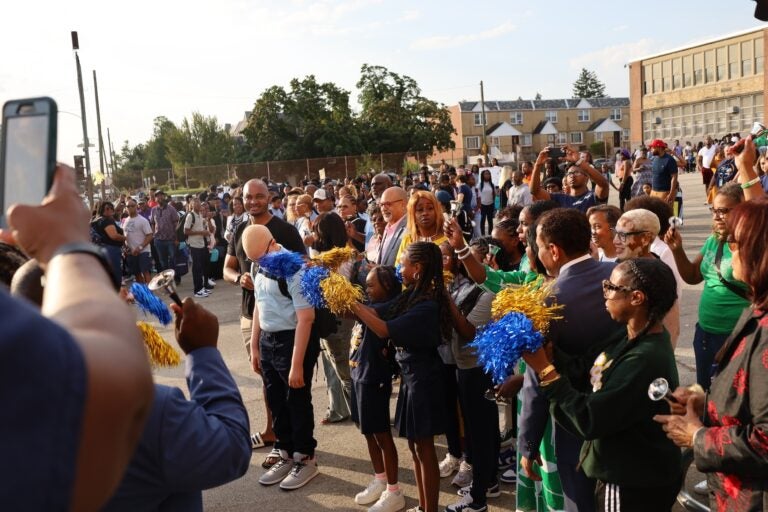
26	159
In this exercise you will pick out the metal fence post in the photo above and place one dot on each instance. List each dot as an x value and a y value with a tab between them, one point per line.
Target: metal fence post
381	159
308	169
186	178
269	175
346	168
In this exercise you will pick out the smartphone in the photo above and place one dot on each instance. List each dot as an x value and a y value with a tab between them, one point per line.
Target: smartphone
556	153
28	152
493	250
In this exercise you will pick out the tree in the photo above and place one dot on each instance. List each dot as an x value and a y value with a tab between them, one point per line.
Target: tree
128	166
200	142
310	120
587	85
156	146
538	96
396	118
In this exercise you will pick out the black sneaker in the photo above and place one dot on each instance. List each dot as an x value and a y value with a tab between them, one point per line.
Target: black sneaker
465	504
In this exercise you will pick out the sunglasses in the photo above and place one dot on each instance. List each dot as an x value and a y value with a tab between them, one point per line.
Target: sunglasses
611	287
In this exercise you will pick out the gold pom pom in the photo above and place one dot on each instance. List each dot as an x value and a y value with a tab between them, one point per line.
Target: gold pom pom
335	257
339	293
528	299
159	351
448	277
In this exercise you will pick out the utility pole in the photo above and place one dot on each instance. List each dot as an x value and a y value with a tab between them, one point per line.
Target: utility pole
111	156
102	156
484	147
88	180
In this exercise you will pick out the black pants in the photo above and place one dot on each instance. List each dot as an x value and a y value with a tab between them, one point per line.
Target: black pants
615	498
486	215
292	414
625	191
481	424
199	267
451	396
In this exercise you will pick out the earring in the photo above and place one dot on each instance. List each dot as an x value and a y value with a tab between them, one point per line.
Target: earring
416	276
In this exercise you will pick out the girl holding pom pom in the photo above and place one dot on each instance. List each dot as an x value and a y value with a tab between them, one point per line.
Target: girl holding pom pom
415	321
615	416
371	388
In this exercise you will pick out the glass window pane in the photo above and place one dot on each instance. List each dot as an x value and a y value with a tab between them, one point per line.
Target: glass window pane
709	64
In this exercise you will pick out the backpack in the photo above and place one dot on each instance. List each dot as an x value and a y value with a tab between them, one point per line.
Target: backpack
325	322
180	236
97	232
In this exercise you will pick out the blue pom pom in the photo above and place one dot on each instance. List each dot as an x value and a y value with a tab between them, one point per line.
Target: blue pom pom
283	264
500	344
150	303
310	285
399	272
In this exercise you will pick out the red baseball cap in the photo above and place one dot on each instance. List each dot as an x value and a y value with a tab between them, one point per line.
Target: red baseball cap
657	143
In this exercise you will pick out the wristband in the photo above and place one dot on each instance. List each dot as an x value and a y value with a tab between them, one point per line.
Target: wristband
751	182
93	250
546	371
465	255
463	250
546	383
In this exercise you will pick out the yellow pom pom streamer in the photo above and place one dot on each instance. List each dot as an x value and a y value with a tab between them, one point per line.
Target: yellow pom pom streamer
339	293
448	277
528	299
159	351
335	257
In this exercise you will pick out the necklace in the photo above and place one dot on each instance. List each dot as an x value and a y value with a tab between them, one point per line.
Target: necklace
429	238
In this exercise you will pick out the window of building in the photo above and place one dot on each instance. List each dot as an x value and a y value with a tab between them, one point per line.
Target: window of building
759	55
516	117
583	115
709	66
479	119
616	114
551	115
677	73
687	71
472	142
666	74
733	61
550	139
577	138
746	58
526	140
647	77
562	138
722	64
625	134
698	69
657	78
494	141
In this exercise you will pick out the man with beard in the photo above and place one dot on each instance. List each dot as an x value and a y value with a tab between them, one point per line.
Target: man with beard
164	220
579	173
237	271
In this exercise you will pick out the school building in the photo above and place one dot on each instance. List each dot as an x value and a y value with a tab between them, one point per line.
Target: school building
710	88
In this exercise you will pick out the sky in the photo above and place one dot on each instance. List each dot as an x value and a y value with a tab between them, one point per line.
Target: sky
171	58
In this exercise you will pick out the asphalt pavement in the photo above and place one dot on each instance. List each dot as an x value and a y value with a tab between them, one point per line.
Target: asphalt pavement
343	460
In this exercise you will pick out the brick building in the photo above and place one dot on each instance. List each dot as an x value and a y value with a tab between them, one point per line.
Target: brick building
711	88
518	130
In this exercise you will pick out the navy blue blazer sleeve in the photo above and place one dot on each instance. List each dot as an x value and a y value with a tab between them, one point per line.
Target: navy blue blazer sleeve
206	439
533	415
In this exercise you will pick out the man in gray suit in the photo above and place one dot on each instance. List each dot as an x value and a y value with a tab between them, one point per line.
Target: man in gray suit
393	205
563	236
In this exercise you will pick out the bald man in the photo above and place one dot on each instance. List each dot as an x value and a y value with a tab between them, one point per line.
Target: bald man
393	207
282	321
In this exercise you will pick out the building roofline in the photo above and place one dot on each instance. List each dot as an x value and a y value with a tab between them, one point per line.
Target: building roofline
700	43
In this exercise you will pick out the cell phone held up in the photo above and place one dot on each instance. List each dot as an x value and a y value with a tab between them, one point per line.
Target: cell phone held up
27	151
556	153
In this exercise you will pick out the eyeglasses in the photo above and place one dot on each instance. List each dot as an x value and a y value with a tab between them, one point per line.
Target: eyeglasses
388	204
719	212
611	287
623	235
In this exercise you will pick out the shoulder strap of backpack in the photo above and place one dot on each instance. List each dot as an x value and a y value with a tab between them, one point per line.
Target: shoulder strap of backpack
470	300
282	283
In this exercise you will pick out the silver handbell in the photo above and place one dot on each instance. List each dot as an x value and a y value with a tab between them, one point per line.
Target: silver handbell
659	390
675	222
455	208
164	282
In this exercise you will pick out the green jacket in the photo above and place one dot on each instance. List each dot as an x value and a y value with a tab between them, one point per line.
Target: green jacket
623	445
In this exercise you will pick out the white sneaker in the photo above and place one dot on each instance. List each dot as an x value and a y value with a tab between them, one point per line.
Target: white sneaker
211	283
464	477
304	469
201	294
448	465
390	501
371	493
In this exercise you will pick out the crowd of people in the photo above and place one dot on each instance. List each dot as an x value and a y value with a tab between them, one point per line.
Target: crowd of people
433	250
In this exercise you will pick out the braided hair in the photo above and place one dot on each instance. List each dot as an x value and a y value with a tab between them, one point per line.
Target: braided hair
387	277
657	282
429	286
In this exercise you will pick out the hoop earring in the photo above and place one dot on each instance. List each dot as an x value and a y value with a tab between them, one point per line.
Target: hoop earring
416	276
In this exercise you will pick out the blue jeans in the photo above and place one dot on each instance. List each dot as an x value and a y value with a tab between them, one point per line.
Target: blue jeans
705	346
166	254
115	255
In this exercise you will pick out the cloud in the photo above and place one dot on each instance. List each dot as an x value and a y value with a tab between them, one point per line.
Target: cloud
410	15
620	28
617	55
441	42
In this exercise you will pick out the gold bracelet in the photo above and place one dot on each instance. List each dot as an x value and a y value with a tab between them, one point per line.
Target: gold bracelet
546	371
546	383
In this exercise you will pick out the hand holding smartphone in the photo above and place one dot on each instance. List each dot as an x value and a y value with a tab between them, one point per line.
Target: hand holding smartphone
28	152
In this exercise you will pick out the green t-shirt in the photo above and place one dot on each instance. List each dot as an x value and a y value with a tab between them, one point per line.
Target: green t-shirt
719	307
495	280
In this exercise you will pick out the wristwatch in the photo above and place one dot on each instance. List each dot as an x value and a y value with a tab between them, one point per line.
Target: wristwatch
94	250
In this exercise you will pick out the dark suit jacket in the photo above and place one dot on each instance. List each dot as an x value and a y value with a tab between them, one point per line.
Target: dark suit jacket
388	258
188	445
585	324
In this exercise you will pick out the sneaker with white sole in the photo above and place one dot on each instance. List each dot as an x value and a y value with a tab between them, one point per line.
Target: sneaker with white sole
507	459
304	469
277	472
465	504
507	438
492	492
509	476
464	477
371	493
448	465
210	283
389	501
417	508
202	293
